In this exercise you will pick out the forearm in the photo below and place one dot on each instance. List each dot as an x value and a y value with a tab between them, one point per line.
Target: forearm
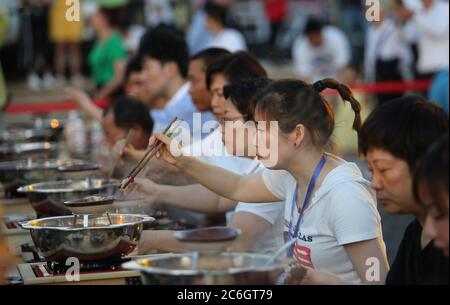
195	198
160	241
252	227
220	181
108	89
369	260
91	109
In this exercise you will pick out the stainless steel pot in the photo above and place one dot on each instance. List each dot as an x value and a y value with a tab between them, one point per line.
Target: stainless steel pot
11	152
208	269
48	198
15	174
31	135
100	238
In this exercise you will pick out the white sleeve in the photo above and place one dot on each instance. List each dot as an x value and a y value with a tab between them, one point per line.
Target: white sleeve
354	216
277	182
436	27
342	51
302	58
270	212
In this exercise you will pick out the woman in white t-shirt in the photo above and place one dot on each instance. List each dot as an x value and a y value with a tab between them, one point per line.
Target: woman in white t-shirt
338	227
261	224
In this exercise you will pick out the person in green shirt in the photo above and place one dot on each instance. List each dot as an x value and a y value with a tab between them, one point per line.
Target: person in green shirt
108	56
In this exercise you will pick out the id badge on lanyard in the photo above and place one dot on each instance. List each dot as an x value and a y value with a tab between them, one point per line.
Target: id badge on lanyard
309	191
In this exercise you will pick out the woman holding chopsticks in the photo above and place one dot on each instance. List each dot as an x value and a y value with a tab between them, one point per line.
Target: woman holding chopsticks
330	209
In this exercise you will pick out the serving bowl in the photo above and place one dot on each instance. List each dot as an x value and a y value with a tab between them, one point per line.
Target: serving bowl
89	238
48	198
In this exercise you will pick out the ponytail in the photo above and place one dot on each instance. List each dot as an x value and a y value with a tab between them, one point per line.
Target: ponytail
346	94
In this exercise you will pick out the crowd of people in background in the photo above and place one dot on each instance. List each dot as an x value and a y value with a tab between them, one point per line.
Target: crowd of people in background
310	195
409	40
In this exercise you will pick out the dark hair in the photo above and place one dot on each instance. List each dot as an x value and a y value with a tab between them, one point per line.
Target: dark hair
166	44
115	16
405	127
313	26
293	102
432	173
129	112
209	56
236	67
134	65
217	12
242	94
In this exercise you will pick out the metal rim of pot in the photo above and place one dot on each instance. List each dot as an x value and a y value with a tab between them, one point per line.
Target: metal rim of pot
28	225
136	265
26	189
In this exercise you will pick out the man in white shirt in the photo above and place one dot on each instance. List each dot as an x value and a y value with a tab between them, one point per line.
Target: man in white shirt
165	69
323	52
225	38
430	19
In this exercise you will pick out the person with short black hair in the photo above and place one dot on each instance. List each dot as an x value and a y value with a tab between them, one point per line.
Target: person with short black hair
165	69
323	51
431	189
125	114
133	85
224	37
198	66
393	140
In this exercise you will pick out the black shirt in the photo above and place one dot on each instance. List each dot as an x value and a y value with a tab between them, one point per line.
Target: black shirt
416	266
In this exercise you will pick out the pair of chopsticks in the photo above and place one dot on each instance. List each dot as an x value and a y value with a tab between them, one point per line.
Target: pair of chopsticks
150	154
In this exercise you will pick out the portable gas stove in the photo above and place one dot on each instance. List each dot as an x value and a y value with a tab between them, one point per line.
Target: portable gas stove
44	273
15	235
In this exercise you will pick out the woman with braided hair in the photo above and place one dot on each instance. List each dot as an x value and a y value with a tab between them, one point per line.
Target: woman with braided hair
330	210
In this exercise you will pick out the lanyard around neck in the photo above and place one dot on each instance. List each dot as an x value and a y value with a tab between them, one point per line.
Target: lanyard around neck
309	191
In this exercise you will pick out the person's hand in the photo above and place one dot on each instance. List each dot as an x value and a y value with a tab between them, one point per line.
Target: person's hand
299	275
170	152
121	151
148	188
78	96
133	153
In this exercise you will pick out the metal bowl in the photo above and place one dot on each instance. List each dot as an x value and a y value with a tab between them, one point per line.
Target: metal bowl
11	152
101	238
15	174
48	198
90	205
31	135
208	269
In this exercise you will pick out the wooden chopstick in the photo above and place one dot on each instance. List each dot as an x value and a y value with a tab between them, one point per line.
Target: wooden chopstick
150	154
116	161
150	150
